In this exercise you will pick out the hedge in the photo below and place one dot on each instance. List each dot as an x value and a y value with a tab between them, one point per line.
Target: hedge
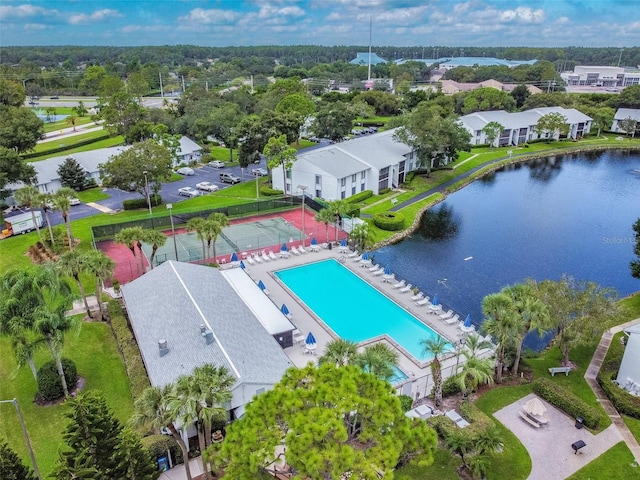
621	399
64	148
270	192
128	349
137	203
360	197
384	191
567	401
478	420
390	221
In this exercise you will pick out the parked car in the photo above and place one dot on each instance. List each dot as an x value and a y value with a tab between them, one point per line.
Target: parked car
259	172
216	164
186	171
229	178
74	201
188	192
207	186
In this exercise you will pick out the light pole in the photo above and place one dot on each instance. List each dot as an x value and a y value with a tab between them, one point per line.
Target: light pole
173	231
303	188
146	187
459	348
26	435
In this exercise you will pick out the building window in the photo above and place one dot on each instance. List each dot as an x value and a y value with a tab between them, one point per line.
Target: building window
363	175
288	187
383	178
342	195
289	173
362	187
318	179
343	182
353	189
353	178
318	193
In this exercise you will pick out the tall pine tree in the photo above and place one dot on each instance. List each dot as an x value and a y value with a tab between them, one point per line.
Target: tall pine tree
11	467
72	174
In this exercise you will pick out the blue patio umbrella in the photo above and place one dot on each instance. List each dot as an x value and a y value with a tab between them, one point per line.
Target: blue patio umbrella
343	242
242	265
434	301
284	309
365	256
314	241
234	257
261	285
310	340
283	248
387	270
467	322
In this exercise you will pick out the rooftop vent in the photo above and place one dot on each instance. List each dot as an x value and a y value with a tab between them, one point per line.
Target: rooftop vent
208	336
203	328
163	347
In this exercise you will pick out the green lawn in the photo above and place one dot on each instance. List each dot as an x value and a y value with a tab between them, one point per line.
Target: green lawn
617	462
43	147
46	151
634	426
444	467
92	195
96	355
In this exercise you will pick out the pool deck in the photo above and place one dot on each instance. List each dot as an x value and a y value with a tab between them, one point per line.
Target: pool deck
306	321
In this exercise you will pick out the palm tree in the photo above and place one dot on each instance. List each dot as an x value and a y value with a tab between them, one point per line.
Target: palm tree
51	320
474	343
340	352
360	235
460	443
533	314
200	399
196	224
71	120
434	347
28	196
500	323
211	229
156	239
151	410
338	208
474	372
379	360
221	221
325	216
99	265
62	201
130	237
44	201
73	263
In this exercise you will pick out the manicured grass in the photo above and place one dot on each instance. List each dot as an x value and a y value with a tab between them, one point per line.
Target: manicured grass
499	397
617	462
444	467
98	361
222	154
71	141
634	426
59	125
92	195
631	305
106	143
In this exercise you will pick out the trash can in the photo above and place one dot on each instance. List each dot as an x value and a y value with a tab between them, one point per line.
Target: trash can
579	422
330	245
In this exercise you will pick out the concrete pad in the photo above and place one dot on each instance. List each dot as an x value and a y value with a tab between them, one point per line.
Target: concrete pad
549	446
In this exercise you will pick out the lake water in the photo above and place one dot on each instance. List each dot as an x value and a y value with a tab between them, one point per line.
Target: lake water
569	214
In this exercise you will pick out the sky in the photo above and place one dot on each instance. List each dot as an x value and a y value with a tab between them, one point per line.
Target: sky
535	23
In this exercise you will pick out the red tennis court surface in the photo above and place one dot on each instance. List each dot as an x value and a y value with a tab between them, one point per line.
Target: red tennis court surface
129	268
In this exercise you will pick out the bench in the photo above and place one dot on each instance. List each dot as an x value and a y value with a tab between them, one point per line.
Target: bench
394	201
554	370
529	420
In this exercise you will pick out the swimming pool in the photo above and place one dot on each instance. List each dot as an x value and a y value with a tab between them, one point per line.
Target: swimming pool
352	308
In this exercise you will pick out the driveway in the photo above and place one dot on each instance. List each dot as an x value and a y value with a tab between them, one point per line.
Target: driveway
549	447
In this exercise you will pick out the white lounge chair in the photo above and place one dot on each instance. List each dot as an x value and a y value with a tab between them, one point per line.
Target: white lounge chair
316	248
272	255
294	250
406	288
422	301
284	254
265	257
250	260
417	296
374	268
353	254
301	249
379	272
445	315
357	258
257	258
452	320
400	284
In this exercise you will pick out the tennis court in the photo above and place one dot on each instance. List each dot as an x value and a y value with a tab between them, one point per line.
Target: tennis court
266	233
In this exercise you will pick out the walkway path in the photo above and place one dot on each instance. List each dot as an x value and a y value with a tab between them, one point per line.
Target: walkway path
591	378
102	208
465	161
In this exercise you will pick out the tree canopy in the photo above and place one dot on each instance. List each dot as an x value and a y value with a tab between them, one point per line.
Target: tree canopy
331	420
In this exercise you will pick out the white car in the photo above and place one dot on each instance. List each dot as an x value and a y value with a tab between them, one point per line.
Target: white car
188	192
216	164
259	172
186	171
74	201
207	186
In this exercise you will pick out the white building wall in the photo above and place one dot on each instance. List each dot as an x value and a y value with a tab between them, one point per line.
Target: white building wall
630	366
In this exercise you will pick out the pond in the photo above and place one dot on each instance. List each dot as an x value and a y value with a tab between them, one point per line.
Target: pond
570	214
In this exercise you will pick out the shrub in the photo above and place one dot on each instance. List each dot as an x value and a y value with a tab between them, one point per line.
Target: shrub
136	203
621	399
49	384
352	210
360	197
384	191
450	387
409	176
567	401
128	349
406	401
391	221
270	192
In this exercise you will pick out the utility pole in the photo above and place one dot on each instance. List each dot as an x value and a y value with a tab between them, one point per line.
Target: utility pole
26	435
161	92
620	57
370	26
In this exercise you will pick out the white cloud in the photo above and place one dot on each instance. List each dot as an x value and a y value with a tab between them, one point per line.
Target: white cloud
34	26
23	11
200	16
523	15
95	17
142	28
269	11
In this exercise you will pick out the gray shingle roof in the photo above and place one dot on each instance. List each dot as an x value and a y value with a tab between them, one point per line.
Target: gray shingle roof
515	120
171	302
623	113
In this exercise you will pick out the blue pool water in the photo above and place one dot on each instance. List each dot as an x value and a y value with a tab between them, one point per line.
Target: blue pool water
352	308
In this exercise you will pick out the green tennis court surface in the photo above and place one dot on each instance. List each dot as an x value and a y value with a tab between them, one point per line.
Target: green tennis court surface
248	236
